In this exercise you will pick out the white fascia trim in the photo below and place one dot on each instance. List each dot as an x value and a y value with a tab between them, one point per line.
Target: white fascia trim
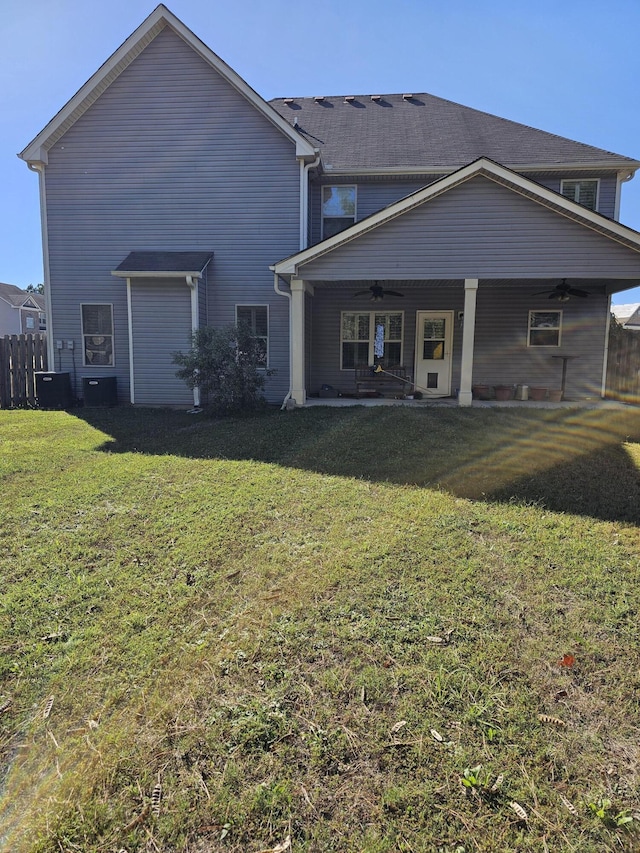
156	274
486	168
36	150
332	171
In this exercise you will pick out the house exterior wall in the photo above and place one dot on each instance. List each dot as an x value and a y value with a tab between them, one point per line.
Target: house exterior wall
479	229
171	157
160	310
9	319
373	194
501	354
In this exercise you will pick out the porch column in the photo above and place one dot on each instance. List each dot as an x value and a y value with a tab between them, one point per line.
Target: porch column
468	334
298	368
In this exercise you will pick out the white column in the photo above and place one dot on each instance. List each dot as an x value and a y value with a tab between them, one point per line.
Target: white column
298	389
468	334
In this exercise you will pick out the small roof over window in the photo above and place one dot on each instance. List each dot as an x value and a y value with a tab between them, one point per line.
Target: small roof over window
173	264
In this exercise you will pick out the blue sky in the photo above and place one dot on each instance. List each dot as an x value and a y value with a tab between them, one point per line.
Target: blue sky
571	67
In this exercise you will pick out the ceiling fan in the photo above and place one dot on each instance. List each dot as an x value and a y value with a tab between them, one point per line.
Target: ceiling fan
562	292
376	293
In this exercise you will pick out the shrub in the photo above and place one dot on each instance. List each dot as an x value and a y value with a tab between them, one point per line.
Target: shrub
225	364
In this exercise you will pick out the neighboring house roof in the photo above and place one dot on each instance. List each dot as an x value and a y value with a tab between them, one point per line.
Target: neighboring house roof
168	263
633	321
293	265
624	313
423	132
161	17
18	298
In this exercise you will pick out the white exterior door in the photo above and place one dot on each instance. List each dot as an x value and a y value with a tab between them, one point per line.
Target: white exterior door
434	344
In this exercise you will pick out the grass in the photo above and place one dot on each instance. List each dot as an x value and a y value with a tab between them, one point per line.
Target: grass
347	627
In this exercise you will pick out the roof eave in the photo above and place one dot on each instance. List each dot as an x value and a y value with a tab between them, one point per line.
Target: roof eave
361	171
35	151
157	273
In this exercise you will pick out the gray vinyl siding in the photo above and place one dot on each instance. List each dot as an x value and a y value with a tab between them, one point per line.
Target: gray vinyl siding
376	194
9	319
371	196
501	354
171	157
479	229
606	190
161	312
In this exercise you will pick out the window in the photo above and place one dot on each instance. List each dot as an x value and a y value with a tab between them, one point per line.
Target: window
30	321
338	209
369	337
257	318
97	335
42	322
582	192
544	328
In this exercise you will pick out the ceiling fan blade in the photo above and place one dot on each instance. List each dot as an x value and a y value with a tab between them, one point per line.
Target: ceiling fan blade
574	291
393	293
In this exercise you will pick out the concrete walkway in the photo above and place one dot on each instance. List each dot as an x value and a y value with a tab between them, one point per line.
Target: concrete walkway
452	403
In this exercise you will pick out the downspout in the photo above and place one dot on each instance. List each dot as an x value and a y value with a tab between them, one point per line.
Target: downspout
39	168
192	282
304	236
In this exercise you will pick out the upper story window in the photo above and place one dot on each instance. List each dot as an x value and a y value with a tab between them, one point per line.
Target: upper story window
42	322
97	335
582	192
338	209
544	328
256	317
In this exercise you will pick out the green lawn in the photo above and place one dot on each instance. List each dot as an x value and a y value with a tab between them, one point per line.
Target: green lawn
366	629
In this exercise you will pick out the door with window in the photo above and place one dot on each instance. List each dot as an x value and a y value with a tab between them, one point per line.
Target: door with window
434	344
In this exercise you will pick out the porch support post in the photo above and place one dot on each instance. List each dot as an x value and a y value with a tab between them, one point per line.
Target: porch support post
468	335
298	368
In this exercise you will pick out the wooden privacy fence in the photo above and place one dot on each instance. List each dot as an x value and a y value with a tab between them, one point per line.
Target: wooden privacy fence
21	356
623	365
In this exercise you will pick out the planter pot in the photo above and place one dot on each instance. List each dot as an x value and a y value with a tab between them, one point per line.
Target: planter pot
555	395
481	392
537	394
504	392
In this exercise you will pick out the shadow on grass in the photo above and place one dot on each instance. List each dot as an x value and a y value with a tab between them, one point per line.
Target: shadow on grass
584	461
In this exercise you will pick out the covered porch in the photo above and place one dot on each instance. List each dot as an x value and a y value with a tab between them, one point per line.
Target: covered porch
483	277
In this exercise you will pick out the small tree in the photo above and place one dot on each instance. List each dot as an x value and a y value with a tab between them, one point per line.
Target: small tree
225	364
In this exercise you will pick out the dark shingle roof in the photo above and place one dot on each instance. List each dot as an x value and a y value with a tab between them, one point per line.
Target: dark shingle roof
165	262
425	131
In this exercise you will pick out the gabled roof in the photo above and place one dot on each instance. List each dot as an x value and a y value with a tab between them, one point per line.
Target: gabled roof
169	264
18	298
161	17
420	132
292	266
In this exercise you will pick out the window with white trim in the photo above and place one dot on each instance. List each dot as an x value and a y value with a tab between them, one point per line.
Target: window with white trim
582	192
97	335
371	337
30	321
338	209
256	317
544	328
42	322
